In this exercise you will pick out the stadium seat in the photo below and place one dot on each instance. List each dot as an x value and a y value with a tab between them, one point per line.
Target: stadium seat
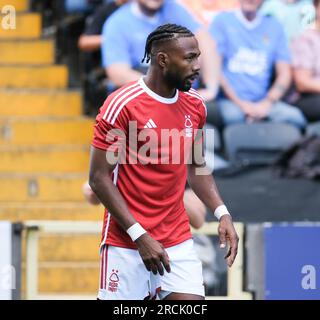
212	147
313	128
258	143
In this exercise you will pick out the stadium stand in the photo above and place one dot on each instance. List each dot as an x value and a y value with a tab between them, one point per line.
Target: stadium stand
44	144
258	143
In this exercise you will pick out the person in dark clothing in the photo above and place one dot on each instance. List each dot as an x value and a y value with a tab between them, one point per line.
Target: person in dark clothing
93	76
91	39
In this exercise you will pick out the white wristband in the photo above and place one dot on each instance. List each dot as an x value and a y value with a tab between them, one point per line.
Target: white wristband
135	231
221	211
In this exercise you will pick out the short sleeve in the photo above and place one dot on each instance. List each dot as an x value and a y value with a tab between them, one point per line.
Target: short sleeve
302	53
115	45
199	134
110	135
203	117
217	31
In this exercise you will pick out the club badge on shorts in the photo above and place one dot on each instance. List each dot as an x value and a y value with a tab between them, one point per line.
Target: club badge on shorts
113	281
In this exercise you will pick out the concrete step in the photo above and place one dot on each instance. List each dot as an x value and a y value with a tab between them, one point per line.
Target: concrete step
19	102
44	188
28	26
71	211
54	159
27	52
67	263
46	131
19	5
69	248
63	248
67	278
49	76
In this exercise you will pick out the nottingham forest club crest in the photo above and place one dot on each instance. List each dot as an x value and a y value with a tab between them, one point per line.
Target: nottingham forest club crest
188	125
113	281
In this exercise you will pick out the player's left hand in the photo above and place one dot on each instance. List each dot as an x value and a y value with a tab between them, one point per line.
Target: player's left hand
228	235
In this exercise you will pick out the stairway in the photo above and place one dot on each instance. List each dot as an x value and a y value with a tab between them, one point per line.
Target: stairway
44	147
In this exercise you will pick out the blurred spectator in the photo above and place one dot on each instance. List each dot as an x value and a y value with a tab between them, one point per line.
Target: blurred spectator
73	6
306	63
91	39
125	33
50	12
195	209
89	195
251	47
294	15
93	75
205	10
77	5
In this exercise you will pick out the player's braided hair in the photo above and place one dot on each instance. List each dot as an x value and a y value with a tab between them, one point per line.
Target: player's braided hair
164	33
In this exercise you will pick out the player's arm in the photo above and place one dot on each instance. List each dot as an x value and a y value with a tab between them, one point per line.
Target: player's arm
102	185
151	251
205	188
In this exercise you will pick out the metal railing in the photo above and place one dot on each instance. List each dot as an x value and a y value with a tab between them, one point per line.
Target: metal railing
33	228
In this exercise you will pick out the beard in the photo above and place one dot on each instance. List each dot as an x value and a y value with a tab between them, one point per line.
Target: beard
176	81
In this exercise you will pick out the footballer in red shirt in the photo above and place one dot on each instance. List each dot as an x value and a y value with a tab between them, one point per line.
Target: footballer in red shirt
144	148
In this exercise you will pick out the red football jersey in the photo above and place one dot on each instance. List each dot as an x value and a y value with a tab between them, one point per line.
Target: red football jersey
153	190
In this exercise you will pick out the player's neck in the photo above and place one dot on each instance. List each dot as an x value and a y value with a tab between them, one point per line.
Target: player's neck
155	83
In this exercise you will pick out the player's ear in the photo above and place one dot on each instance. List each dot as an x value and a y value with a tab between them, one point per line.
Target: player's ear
162	59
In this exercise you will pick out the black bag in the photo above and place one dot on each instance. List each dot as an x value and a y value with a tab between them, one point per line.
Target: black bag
300	160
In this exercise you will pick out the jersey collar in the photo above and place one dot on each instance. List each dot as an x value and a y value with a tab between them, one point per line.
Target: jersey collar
156	96
245	22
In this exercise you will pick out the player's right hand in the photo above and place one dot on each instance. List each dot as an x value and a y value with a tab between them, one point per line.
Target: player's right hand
153	254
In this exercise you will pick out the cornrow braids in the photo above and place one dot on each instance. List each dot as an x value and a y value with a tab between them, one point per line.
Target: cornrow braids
164	33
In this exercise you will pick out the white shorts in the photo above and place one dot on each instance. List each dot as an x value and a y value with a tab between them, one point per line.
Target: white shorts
123	275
